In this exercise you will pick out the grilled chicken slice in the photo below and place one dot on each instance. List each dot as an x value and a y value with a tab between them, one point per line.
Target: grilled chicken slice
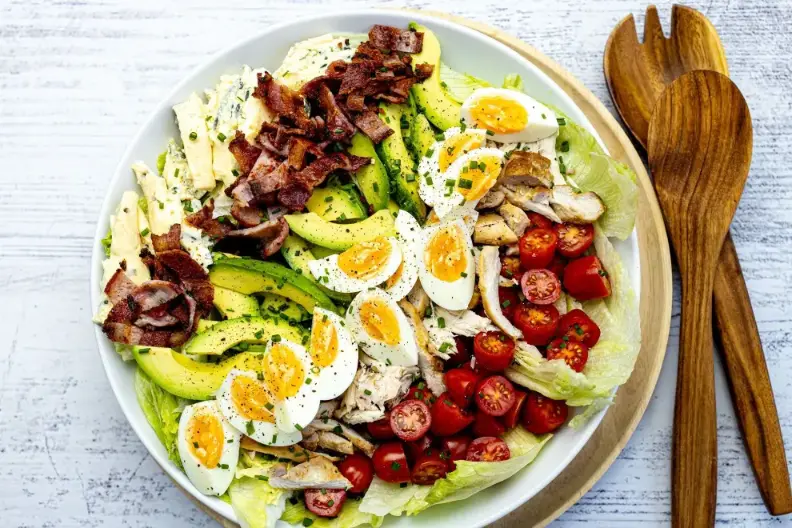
578	208
418	298
296	453
336	427
490	267
491	229
376	388
431	366
515	218
491	200
333	442
547	148
526	168
536	199
315	473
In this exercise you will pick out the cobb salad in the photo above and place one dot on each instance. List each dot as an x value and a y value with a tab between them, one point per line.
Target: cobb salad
363	283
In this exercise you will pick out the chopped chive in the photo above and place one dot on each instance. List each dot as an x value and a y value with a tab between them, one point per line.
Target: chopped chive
561	121
221	137
328	199
145	232
250	428
565	146
193	136
276	338
465	184
367	392
441	322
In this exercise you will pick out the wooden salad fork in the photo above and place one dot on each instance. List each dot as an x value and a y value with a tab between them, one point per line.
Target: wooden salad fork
637	74
700	144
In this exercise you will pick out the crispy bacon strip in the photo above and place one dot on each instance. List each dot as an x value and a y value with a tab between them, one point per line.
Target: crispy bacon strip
270	235
371	125
119	287
204	221
245	154
391	38
169	240
283	101
339	128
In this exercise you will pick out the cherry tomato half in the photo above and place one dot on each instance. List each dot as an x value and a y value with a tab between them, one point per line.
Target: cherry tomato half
585	279
488	449
428	468
461	385
448	418
540	286
421	393
390	462
495	395
574	239
381	429
462	354
512	418
538	323
358	470
537	247
509	299
486	425
542	415
415	449
410	420
511	267
494	350
557	266
537	220
578	326
325	502
574	353
455	448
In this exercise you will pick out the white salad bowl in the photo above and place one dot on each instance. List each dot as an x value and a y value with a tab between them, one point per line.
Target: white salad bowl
463	50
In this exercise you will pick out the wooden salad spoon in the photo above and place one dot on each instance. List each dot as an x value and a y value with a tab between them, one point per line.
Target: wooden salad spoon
700	142
637	74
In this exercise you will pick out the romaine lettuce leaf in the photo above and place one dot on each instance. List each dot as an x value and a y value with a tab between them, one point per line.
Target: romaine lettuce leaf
349	517
466	480
459	85
513	82
107	241
162	410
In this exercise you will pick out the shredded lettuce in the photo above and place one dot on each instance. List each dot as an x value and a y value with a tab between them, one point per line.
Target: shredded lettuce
350	516
162	410
513	82
107	241
256	503
466	480
143	204
458	86
161	162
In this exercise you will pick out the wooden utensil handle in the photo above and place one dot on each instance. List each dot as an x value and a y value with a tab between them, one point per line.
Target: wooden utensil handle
695	452
752	394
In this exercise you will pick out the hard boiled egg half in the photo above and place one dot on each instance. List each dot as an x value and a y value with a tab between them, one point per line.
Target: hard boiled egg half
408	233
381	328
334	354
447	268
245	403
362	266
208	447
508	116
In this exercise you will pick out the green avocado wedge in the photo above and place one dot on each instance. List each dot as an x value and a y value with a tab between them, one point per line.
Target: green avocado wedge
430	97
273	305
186	378
372	179
234	304
226	334
314	229
422	137
249	276
336	203
298	253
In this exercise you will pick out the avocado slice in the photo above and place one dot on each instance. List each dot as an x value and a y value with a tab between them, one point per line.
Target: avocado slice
422	137
249	276
337	203
234	304
399	162
274	305
323	252
314	229
205	324
298	254
226	334
431	98
372	179
187	378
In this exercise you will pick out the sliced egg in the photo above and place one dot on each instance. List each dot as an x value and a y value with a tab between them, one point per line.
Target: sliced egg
291	386
468	179
447	268
245	403
381	328
334	354
408	233
432	168
508	115
489	268
468	216
208	447
362	266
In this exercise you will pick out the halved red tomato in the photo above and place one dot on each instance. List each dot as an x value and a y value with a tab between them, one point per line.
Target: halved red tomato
511	268
574	353
512	418
495	395
461	384
462	354
325	502
537	247
390	462
455	448
557	266
410	420
421	393
542	415
428	468
486	425
537	220
381	429
509	299
540	286
448	418
578	326
488	449
538	323
585	279
415	449
494	350
574	239
359	470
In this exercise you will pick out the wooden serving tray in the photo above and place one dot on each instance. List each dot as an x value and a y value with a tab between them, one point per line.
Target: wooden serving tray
655	304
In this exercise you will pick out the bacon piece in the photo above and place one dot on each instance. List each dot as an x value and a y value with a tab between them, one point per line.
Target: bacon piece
182	265
246	215
245	154
423	71
270	235
339	128
158	319
356	102
123	311
262	184
283	101
391	38
294	196
337	69
202	291
170	240
119	287
210	226
316	172
371	125
298	149
358	75
132	335
154	294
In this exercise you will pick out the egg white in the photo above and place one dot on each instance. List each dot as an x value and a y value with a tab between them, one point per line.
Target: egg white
293	413
408	233
214	481
331	381
328	273
261	431
404	353
452	200
540	124
454	295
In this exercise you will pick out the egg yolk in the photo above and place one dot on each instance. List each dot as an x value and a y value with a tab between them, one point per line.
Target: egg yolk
445	256
324	341
283	372
250	399
499	114
365	259
379	321
205	438
478	177
456	146
393	279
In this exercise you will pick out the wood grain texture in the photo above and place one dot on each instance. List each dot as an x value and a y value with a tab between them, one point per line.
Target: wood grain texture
77	79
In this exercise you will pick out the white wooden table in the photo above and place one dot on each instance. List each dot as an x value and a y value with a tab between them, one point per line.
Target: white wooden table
78	77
